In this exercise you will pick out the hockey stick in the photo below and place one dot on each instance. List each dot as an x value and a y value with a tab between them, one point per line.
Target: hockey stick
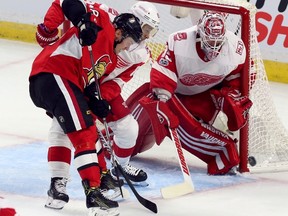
187	186
146	203
97	86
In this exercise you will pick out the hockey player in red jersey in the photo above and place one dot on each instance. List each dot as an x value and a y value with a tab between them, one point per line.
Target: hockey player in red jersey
62	82
124	127
197	76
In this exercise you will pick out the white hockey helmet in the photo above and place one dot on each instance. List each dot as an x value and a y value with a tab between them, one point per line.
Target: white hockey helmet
212	31
148	14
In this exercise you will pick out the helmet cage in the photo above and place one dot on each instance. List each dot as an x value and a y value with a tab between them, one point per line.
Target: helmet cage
212	30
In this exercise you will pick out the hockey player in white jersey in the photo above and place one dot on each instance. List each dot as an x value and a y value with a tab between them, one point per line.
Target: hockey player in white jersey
124	127
197	76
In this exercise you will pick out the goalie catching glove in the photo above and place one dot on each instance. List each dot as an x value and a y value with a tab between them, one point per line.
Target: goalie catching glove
45	36
100	107
235	106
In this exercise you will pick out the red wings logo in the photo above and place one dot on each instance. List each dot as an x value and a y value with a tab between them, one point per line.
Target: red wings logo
200	79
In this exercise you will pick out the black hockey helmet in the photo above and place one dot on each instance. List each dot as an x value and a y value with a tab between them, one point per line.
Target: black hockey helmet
130	26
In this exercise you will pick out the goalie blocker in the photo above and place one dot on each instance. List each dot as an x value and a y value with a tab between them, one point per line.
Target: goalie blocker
209	144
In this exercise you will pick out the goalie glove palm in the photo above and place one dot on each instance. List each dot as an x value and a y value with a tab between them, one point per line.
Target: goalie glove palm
234	105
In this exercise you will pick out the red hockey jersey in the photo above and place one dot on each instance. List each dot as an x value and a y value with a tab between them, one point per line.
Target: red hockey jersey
128	61
68	59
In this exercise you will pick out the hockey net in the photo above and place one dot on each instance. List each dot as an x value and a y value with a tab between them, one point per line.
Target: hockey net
264	138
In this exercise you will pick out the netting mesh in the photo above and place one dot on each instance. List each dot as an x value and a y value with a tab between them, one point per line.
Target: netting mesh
267	137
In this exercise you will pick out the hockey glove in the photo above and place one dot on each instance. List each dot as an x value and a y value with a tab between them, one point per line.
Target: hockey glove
100	107
160	116
45	36
88	30
235	106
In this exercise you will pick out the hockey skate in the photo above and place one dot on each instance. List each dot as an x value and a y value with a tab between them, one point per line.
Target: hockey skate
57	196
97	203
137	176
110	187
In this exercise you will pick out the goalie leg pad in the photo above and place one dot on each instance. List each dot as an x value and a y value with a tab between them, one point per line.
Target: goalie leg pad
209	144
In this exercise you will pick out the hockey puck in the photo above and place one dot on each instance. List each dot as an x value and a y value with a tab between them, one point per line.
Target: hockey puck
252	160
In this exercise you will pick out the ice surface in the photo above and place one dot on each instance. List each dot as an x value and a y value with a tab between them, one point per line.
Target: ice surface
24	176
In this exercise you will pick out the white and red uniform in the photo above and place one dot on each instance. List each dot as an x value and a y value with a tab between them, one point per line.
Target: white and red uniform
182	72
122	123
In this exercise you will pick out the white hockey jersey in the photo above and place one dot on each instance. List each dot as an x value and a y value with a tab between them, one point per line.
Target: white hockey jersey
180	69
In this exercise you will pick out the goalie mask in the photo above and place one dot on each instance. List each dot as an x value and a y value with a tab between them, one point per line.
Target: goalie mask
211	29
148	15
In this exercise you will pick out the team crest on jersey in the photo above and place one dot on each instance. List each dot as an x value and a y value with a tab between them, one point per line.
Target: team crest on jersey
200	79
180	36
240	47
100	67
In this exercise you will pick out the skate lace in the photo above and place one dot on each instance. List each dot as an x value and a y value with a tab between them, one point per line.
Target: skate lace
60	185
131	170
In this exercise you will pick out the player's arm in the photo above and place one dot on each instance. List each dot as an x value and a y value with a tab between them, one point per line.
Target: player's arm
83	17
163	78
47	32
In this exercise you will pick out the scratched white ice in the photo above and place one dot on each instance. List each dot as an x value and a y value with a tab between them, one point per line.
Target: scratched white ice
24	176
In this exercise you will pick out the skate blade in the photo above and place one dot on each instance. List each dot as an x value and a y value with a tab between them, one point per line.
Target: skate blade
97	211
54	203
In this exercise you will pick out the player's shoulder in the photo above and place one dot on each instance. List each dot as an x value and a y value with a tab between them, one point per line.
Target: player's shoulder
110	11
182	35
137	53
233	39
236	44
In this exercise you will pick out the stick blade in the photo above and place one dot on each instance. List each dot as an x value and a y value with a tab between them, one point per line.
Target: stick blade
177	190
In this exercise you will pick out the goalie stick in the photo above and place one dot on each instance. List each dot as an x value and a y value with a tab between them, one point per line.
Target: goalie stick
187	186
146	203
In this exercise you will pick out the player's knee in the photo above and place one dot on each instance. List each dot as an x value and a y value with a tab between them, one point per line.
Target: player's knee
126	126
84	139
126	132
